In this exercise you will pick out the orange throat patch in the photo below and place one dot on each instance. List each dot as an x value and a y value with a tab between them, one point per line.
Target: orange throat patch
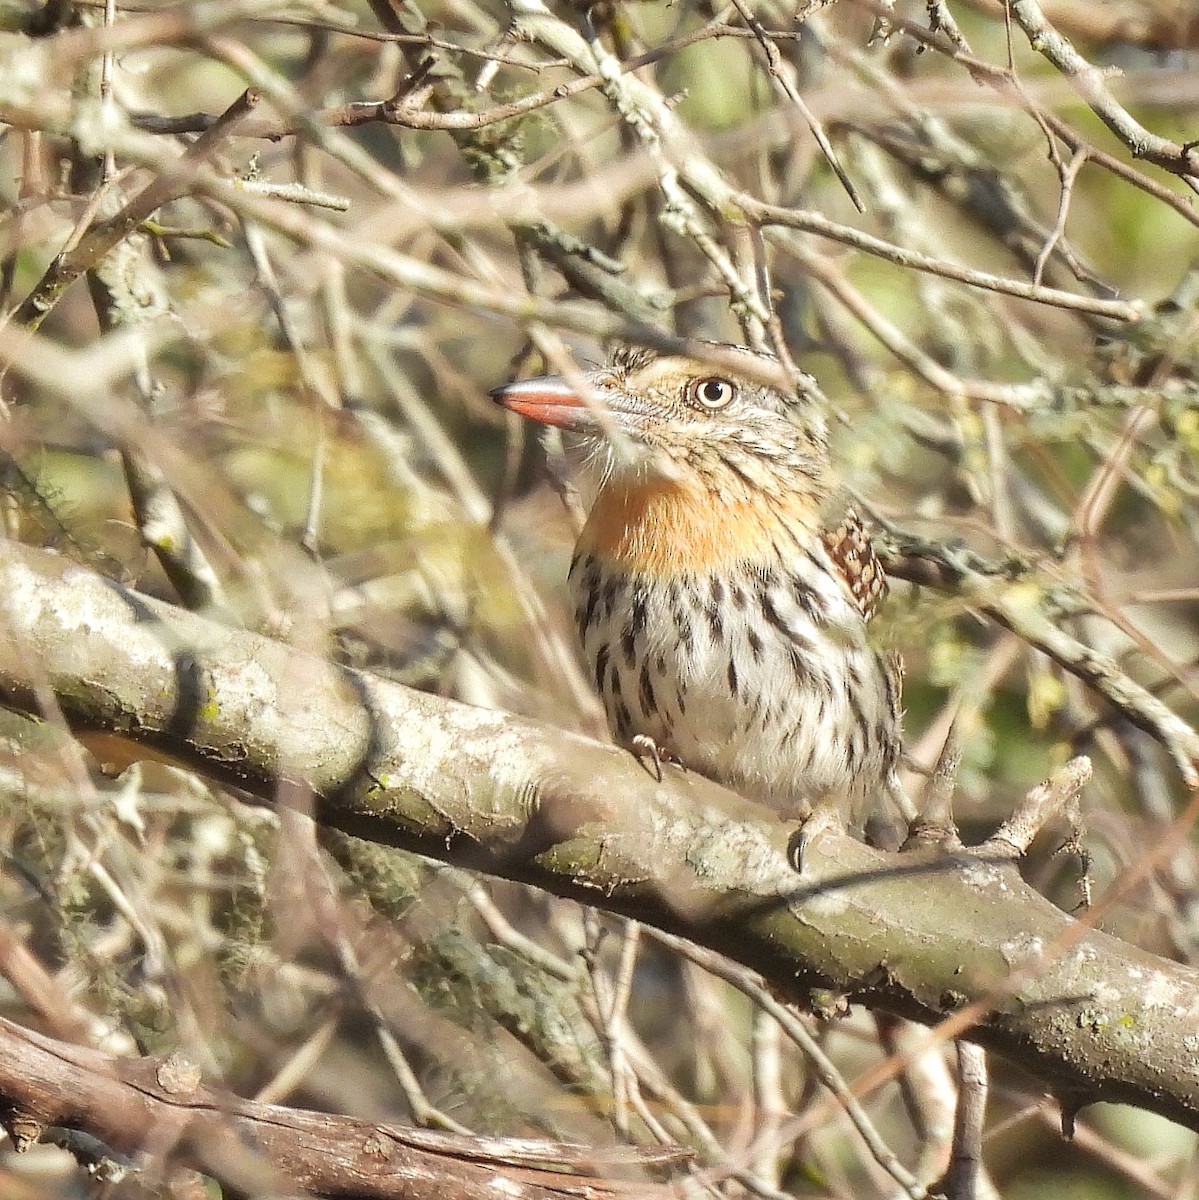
666	527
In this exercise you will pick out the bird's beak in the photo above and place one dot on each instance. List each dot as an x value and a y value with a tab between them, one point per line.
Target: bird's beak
551	400
548	399
613	413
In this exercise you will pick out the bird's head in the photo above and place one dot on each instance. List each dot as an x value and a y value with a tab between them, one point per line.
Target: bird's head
723	467
714	428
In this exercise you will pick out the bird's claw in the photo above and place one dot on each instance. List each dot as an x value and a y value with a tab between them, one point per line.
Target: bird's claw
817	822
798	848
644	745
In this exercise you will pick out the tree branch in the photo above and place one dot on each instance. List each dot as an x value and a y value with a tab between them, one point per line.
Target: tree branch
921	935
136	1104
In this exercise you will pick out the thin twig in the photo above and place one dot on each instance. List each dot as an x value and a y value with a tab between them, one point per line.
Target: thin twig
814	222
1182	161
753	986
965	1164
781	74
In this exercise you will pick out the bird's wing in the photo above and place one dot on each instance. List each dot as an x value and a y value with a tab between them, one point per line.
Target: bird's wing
849	547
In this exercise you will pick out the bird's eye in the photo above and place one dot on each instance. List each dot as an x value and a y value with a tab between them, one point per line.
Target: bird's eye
713	393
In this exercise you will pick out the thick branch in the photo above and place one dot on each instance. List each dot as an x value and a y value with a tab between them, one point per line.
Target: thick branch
133	1105
921	936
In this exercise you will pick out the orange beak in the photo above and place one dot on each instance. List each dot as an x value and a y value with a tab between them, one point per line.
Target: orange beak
548	399
551	400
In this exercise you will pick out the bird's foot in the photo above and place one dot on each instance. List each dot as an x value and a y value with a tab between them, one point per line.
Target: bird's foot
819	820
644	747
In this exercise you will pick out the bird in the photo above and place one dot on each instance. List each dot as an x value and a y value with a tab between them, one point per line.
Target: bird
722	587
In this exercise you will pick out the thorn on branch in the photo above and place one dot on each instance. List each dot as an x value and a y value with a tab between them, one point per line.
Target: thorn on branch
1057	795
935	826
414	89
1071	1104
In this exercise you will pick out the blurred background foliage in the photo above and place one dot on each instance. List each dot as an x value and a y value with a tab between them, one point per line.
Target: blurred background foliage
315	456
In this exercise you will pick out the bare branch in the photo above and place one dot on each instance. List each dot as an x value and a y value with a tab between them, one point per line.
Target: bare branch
920	936
135	1104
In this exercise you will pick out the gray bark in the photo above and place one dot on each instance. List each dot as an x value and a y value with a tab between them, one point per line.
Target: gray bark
928	935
